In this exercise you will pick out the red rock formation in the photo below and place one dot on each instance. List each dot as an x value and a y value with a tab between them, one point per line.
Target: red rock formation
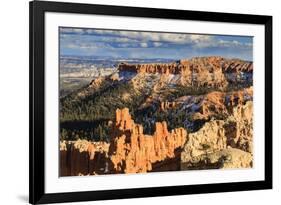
162	68
237	66
123	119
199	71
222	103
82	157
167	105
131	151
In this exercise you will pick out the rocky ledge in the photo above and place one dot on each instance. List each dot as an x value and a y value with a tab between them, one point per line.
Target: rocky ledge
217	143
200	71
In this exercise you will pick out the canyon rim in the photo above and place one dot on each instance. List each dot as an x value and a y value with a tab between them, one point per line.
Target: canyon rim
139	102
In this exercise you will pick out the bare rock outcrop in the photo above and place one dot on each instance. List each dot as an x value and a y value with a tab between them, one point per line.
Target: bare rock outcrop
222	159
210	71
93	86
218	103
239	127
231	158
82	157
131	151
162	68
167	105
209	146
210	138
236	65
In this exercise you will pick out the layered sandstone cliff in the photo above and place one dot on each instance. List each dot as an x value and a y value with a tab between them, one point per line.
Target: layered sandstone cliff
197	64
200	71
131	151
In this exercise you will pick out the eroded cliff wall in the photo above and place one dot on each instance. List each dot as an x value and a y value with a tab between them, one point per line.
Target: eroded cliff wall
222	143
82	157
131	151
200	71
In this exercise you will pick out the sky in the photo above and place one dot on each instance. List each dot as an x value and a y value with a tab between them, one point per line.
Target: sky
147	45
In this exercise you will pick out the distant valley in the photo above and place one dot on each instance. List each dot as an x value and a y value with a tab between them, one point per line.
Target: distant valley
78	71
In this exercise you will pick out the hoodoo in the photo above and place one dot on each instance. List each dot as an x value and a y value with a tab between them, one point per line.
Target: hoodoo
132	151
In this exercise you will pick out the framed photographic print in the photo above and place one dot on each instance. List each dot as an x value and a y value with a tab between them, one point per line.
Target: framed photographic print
140	102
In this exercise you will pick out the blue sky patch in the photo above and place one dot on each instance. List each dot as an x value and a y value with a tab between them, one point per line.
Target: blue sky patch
145	45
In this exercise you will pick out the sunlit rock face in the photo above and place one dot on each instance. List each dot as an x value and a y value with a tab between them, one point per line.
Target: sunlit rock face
217	103
132	151
214	71
222	143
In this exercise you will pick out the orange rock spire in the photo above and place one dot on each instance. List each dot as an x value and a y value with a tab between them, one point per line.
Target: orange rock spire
132	151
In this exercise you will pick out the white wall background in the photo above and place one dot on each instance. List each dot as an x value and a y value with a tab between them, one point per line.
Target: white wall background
14	80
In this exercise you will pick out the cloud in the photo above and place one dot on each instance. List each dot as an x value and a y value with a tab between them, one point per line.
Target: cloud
149	39
157	44
235	43
133	36
151	43
143	45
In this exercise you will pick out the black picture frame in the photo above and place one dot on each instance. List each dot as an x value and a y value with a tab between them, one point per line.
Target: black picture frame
37	11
